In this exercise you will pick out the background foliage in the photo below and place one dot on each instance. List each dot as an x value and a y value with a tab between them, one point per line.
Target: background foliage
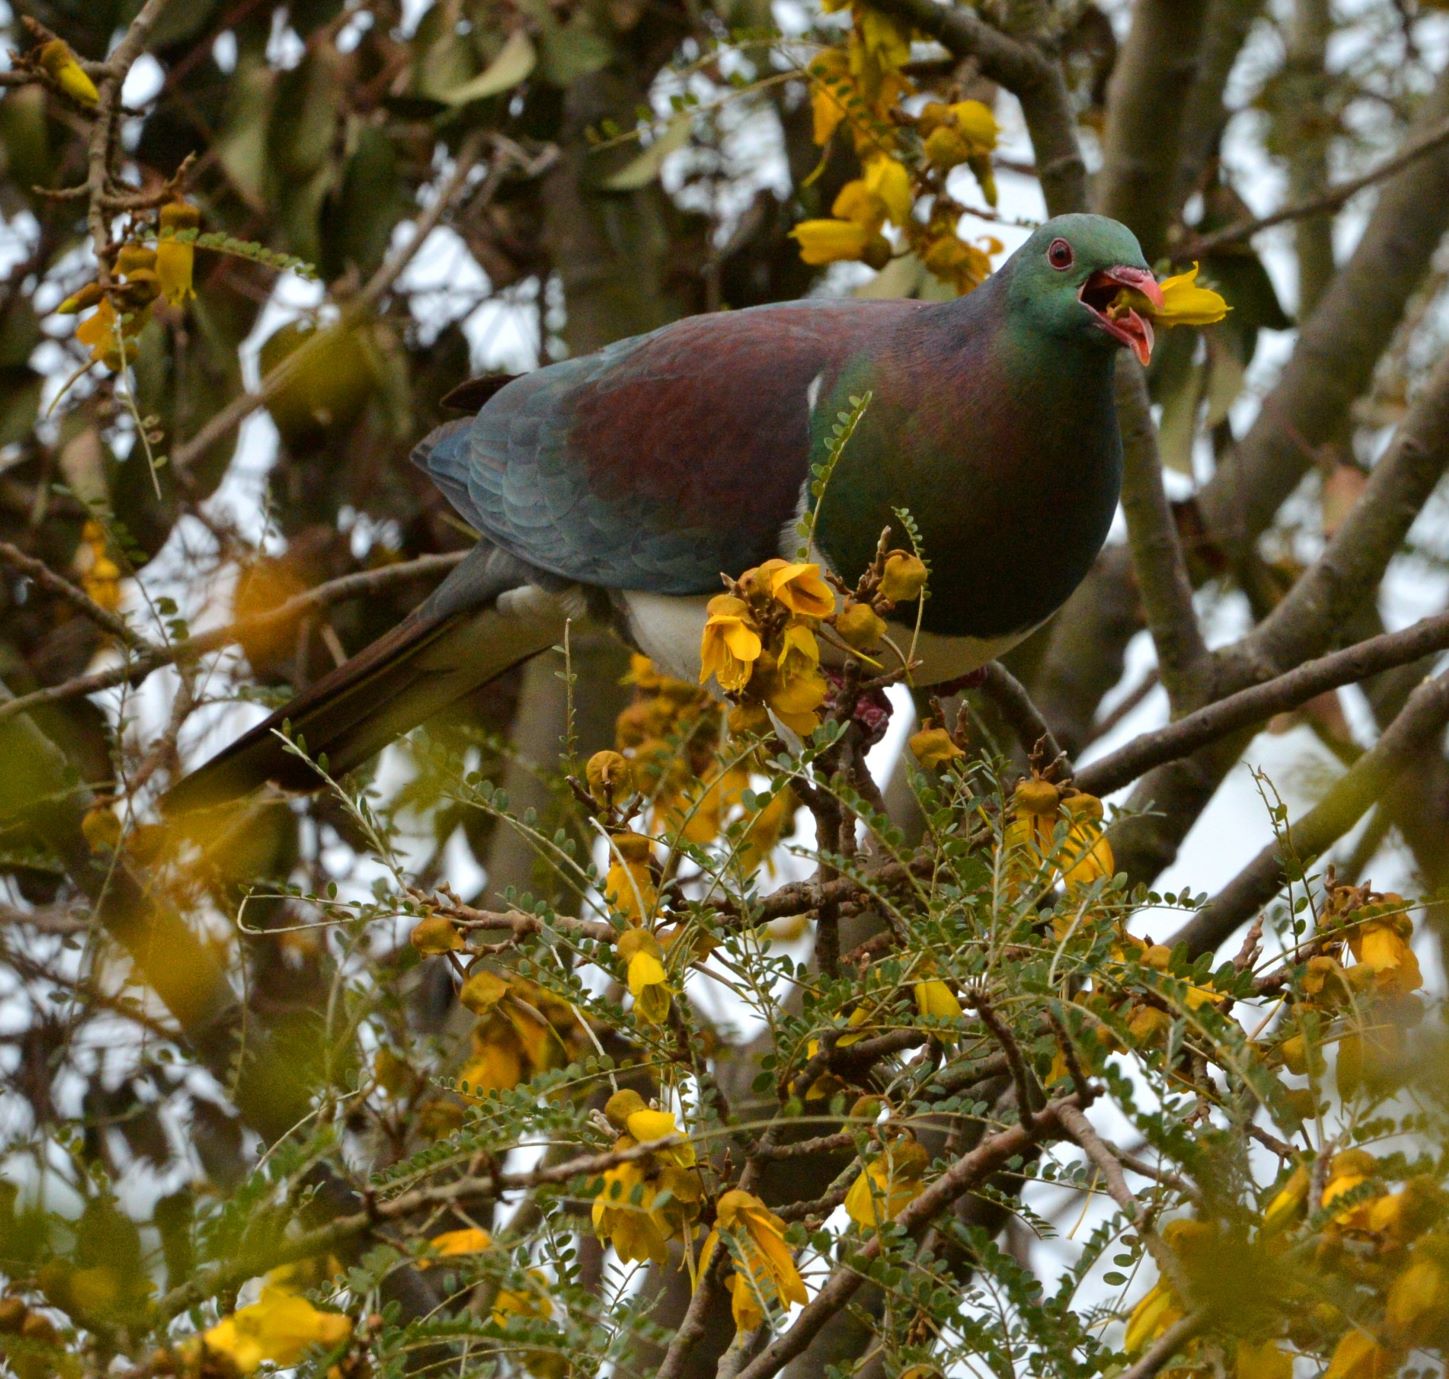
554	1016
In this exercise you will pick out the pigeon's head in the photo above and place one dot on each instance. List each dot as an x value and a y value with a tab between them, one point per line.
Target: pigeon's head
1066	281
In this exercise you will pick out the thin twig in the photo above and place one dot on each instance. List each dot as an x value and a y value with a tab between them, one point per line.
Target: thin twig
152	655
1023	717
56	584
1239	231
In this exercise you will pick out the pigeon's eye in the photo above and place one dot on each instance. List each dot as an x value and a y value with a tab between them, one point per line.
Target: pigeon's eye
1059	254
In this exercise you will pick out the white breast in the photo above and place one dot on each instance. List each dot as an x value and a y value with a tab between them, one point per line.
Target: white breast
667	628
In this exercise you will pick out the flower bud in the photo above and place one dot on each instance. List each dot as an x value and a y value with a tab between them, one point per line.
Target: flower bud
435	934
904	577
610	777
860	626
933	747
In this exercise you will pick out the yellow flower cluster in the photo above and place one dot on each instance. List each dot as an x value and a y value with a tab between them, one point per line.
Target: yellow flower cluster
862	86
1384	1249
890	1182
1029	849
761	635
669	738
142	274
100	575
646	1202
281	1326
765	1278
1371	1002
521	1031
531	1301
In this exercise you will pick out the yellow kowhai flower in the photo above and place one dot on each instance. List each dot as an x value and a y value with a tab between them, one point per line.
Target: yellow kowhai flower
964	132
765	1277
1158	1310
532	1303
1349	1171
468	1240
63	68
528	1302
798	586
101	576
934	997
731	643
628	1210
645	975
860	626
434	934
696	810
629	888
524	1031
840	241
1184	303
626	1110
830	83
279	1326
904	577
888	1184
1037	805
883	193
1416	1312
609	777
1263	1360
176	258
1398	1217
763	832
1087	856
795	688
884	39
962	265
1288	1202
1381	944
109	336
933	747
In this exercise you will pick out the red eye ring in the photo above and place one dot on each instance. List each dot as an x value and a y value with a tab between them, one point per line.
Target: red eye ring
1059	255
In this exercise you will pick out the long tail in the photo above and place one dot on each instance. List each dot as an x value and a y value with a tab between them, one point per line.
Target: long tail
485	617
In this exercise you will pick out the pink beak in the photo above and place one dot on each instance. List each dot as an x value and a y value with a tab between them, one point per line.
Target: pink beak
1128	328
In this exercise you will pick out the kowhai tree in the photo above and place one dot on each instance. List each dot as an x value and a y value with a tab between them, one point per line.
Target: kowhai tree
618	1024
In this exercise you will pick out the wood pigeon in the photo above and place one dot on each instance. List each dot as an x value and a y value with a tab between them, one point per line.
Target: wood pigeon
620	485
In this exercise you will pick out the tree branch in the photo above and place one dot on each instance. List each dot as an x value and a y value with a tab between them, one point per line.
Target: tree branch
1410	734
1260	702
1142	144
1243	230
153	655
966	1173
1157	560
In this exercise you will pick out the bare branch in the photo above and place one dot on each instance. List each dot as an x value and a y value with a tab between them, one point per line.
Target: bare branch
1142	142
48	580
1420	723
1243	230
1022	716
1260	702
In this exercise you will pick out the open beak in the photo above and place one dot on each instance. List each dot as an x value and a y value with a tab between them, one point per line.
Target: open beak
1123	324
